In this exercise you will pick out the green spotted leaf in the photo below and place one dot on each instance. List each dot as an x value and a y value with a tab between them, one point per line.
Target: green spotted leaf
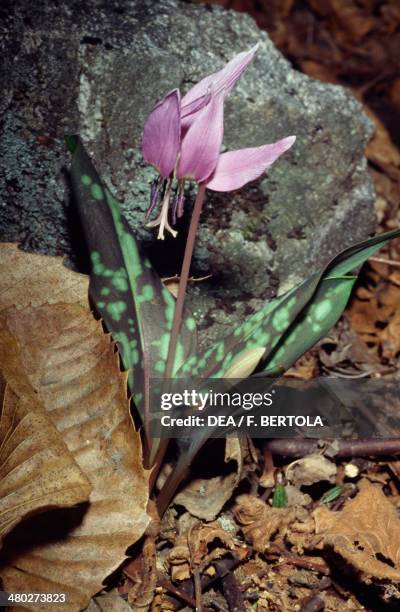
289	319
128	294
314	322
237	355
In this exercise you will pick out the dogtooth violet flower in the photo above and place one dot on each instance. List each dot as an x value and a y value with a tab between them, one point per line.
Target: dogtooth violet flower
182	139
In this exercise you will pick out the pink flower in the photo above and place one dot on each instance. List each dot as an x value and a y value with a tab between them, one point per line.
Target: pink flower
182	138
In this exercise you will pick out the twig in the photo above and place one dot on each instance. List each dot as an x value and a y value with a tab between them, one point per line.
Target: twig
383	260
197	590
298	447
222	567
267	478
219	607
168	586
302	562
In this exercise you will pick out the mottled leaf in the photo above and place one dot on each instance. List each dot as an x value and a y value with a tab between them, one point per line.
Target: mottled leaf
314	322
129	295
237	355
286	327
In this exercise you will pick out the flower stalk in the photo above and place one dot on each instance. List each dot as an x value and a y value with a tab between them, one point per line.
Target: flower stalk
178	313
184	277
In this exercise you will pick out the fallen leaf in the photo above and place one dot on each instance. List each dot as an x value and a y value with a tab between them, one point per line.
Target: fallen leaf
141	594
37	470
31	279
365	533
260	523
295	497
72	367
205	497
304	368
194	548
310	469
390	337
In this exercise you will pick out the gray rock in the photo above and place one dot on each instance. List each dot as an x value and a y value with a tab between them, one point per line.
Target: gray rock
97	68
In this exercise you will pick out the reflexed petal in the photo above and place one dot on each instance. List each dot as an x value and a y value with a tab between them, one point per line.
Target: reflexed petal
236	168
222	81
162	134
202	142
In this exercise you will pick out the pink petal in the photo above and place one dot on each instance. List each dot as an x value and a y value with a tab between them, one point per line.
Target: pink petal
162	134
202	142
222	81
236	168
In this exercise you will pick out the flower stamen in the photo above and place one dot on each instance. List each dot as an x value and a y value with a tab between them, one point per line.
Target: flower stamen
154	194
162	219
178	202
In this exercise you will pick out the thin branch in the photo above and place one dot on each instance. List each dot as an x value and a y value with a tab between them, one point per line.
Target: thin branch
198	590
267	478
298	447
382	260
168	586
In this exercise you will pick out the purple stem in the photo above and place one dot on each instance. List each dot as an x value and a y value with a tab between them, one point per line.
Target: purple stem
183	280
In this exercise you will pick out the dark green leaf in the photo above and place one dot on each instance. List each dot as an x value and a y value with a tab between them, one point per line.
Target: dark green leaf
313	323
130	297
332	494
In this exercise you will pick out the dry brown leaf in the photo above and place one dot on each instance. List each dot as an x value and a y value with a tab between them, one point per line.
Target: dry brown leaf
205	497
295	497
375	316
71	365
390	337
304	368
141	594
311	469
53	282
193	548
260	523
37	470
366	533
